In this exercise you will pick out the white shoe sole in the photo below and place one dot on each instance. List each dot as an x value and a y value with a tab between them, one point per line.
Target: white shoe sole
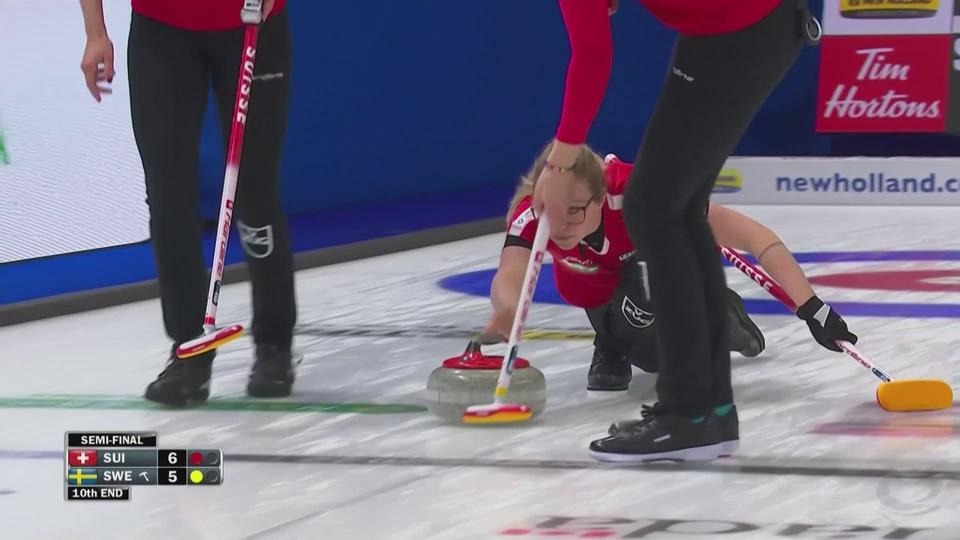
729	448
606	394
698	453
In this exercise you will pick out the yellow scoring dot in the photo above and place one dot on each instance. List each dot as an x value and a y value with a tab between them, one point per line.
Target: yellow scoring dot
196	477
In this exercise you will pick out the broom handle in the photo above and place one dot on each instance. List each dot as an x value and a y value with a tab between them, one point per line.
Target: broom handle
526	297
777	292
762	279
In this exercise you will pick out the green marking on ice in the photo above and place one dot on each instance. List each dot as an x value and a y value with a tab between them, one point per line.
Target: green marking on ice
4	156
104	402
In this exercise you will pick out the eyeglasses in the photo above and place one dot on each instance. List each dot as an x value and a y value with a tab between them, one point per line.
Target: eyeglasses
576	215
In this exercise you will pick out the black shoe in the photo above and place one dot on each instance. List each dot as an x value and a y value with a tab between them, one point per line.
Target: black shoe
624	426
728	425
662	435
745	337
609	372
183	382
272	375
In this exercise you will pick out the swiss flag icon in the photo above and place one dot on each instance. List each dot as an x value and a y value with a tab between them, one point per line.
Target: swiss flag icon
82	458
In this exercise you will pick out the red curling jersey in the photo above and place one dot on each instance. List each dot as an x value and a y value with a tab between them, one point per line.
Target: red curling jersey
200	15
586	275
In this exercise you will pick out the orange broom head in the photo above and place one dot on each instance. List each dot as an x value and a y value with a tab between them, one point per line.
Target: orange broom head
497	414
911	395
210	341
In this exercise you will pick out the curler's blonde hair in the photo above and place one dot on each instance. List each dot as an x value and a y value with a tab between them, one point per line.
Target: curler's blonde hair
587	168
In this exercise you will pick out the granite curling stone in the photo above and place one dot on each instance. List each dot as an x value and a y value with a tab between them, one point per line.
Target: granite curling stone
470	379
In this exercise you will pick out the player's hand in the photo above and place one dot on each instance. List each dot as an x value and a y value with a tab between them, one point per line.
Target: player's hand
97	66
612	6
553	193
500	324
825	324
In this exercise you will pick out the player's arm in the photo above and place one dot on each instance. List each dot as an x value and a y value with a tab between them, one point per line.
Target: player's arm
735	230
97	62
588	73
506	287
93	22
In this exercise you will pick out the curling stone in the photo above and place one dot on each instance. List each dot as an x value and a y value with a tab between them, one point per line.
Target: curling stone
470	379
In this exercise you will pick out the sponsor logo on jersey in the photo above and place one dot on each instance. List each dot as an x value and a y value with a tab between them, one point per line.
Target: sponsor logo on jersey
517	226
581	266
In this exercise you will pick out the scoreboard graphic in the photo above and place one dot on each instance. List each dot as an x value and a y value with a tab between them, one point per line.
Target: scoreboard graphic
103	466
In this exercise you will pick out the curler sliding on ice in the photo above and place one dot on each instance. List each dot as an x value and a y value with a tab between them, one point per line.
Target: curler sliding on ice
594	268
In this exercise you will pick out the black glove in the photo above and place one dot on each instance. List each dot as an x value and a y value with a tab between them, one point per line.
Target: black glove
825	324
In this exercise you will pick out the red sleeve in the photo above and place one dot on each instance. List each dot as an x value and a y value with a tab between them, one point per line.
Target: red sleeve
591	59
617	173
523	226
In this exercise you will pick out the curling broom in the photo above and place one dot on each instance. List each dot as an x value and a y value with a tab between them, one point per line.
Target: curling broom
214	336
900	395
499	411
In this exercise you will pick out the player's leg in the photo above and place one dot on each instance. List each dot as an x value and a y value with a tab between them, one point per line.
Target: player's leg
261	221
626	334
169	81
700	116
610	369
723	319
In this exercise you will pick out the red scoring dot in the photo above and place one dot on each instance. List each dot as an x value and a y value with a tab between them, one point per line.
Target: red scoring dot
196	458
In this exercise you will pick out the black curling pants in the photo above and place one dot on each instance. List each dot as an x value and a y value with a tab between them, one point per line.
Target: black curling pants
626	325
714	87
171	72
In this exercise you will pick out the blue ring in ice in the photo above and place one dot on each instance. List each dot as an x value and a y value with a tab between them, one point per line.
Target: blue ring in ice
478	284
